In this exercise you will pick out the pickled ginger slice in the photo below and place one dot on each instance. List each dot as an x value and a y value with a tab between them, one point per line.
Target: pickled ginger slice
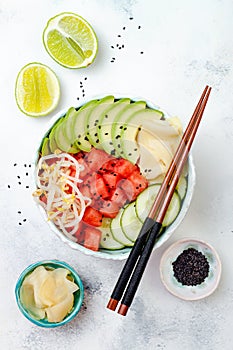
28	301
36	279
59	311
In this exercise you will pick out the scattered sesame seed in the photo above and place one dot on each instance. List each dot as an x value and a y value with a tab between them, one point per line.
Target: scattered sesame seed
139	27
19	183
77	98
119	36
26	174
112	47
24	220
8	186
20	223
27	186
18	176
19	212
141	52
25	165
85	78
123	28
15	164
131	18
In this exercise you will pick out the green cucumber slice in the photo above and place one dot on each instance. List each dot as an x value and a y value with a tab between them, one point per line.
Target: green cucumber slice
182	187
117	232
130	223
146	199
107	241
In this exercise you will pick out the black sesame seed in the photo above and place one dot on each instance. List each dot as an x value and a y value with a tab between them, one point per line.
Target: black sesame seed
125	128
112	47
15	164
86	138
119	36
96	134
29	165
121	127
26	174
135	149
79	143
119	146
24	220
25	165
19	212
139	27
123	28
77	98
110	143
191	267
106	116
106	133
85	78
27	186
19	183
141	52
131	18
129	154
18	176
99	127
20	223
8	186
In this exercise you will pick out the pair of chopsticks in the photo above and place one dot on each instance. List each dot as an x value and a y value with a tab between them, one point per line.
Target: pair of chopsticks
135	265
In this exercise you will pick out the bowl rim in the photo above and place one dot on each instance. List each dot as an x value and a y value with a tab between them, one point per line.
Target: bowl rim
190	240
58	263
123	253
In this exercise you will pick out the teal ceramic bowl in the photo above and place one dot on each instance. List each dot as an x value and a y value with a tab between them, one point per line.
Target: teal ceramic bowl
78	295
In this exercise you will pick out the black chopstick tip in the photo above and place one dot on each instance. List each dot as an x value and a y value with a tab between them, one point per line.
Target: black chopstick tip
112	304
123	309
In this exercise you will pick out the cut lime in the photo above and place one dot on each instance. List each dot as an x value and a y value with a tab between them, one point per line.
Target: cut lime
37	90
70	40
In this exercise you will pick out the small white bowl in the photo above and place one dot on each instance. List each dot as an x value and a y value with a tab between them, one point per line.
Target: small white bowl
190	292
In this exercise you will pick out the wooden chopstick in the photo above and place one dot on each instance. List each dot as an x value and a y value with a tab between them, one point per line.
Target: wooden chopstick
143	246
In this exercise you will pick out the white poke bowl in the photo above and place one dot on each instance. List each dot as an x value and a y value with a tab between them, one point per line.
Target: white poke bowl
120	254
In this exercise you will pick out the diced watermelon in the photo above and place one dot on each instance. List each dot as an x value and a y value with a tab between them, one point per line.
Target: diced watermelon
139	182
96	158
85	189
128	188
92	217
119	197
92	238
80	233
100	187
111	179
124	167
109	165
109	209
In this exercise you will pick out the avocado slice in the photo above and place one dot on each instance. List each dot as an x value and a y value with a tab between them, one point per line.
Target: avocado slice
131	128
61	139
68	124
52	141
119	123
105	123
93	119
78	126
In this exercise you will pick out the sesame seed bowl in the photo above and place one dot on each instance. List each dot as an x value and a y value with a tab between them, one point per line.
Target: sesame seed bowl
118	229
190	269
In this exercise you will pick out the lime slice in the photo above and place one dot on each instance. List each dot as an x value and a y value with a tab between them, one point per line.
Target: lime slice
70	40
37	90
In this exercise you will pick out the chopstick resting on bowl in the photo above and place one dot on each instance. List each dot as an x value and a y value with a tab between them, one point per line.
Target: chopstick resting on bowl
135	265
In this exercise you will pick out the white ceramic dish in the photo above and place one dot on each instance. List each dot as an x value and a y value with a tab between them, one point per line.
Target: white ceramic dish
190	292
123	253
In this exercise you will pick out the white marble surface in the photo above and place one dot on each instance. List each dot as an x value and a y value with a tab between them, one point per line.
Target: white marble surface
186	45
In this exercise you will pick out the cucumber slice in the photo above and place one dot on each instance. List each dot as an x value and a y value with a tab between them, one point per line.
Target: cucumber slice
107	241
146	199
173	210
130	223
182	187
117	232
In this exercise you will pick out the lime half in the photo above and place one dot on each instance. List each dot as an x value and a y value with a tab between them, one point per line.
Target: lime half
37	90
70	40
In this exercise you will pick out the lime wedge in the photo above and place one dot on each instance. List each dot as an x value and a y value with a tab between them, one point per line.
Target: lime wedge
70	40
37	90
